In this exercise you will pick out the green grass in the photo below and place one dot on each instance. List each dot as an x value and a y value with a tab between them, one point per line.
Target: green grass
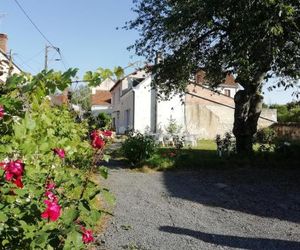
204	155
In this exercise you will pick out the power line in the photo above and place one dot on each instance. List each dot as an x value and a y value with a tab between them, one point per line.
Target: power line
41	33
32	22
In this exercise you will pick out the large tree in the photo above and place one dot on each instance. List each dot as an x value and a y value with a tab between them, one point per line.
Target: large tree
253	39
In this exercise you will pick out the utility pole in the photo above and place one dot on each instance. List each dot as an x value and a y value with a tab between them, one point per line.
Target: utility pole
10	64
46	57
47	47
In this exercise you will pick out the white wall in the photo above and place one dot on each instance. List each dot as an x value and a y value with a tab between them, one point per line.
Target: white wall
170	109
5	66
143	111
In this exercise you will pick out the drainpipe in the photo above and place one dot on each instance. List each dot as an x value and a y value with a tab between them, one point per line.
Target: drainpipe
133	109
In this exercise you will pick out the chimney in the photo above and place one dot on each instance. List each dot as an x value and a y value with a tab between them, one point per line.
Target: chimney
3	42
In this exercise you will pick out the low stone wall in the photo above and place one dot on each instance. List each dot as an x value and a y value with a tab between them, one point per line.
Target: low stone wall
289	131
206	121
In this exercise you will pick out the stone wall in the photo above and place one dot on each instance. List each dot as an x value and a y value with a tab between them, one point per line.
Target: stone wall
214	113
289	131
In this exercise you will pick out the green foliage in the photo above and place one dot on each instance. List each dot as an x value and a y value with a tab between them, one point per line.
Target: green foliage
138	147
289	112
30	130
265	136
225	145
173	128
248	39
104	121
82	96
96	78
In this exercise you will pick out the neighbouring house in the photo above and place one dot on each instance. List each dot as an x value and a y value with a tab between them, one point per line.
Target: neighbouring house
101	98
199	111
7	66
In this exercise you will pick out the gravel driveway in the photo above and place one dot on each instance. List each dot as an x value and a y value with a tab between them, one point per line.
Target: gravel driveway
207	209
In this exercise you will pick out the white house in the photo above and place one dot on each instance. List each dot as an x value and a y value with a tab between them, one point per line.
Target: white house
199	111
7	66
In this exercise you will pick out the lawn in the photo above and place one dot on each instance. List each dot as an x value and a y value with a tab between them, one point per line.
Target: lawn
204	155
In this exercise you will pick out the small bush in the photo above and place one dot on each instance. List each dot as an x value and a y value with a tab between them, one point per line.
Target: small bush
265	136
225	146
138	147
104	121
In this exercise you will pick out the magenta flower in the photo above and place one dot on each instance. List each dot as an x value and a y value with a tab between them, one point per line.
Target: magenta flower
60	152
87	235
50	185
1	111
52	211
14	171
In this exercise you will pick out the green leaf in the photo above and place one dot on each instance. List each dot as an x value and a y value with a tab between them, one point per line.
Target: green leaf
70	215
104	172
108	196
3	217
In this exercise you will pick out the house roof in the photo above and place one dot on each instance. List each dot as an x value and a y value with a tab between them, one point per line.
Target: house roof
102	97
7	61
147	67
229	79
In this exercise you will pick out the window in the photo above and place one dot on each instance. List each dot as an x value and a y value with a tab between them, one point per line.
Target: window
227	92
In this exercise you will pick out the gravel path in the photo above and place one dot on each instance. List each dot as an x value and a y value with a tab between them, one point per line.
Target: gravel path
241	209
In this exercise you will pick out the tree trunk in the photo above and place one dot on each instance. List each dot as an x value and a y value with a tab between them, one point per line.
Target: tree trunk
248	106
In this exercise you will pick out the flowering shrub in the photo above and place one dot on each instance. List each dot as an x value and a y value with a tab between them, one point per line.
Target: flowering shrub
46	197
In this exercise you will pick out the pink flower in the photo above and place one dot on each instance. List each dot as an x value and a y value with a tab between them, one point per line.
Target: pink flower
14	171
52	210
107	133
60	152
1	111
87	235
50	185
52	197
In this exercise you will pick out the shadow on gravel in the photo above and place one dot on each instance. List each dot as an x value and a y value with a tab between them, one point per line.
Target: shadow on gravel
270	193
234	241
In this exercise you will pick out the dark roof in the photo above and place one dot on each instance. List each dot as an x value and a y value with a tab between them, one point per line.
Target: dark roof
102	97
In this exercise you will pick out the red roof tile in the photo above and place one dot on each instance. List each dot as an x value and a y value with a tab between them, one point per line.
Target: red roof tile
101	97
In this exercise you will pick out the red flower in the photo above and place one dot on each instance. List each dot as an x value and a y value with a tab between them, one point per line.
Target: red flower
14	171
97	141
107	133
52	210
1	111
60	152
87	235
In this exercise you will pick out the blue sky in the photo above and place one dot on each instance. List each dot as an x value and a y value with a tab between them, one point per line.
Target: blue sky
85	31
